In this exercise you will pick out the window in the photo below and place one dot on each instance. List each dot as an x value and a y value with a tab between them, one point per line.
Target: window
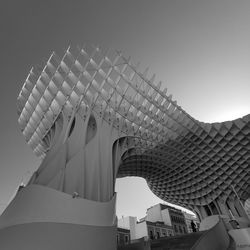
126	239
175	228
158	235
151	235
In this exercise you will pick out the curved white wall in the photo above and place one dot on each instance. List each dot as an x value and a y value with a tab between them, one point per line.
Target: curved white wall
209	222
241	238
57	236
36	203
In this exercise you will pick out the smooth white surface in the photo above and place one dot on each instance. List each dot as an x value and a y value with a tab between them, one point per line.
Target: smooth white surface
154	213
130	223
36	203
241	238
57	236
209	222
166	217
141	230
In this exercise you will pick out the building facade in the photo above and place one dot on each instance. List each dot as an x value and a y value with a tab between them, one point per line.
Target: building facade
178	221
169	216
145	229
188	219
156	230
123	236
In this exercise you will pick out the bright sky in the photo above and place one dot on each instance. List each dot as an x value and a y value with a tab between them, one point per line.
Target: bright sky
199	49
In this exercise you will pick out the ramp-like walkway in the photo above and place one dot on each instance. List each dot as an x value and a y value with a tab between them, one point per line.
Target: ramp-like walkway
182	242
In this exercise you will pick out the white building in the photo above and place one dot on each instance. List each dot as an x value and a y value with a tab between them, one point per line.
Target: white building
122	236
169	216
145	229
129	222
188	219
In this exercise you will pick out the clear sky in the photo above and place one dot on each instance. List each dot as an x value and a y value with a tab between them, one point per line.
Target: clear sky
199	49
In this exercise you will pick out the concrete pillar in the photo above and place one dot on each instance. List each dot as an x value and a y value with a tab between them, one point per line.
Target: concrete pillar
203	212
240	209
196	210
217	206
231	204
223	208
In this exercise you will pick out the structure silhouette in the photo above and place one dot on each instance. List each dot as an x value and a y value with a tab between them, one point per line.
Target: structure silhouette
94	117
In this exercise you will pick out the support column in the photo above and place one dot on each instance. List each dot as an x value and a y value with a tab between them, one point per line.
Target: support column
69	202
197	211
203	212
217	206
232	208
223	208
240	209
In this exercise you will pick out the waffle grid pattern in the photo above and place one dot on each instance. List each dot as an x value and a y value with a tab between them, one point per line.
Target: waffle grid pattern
184	161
